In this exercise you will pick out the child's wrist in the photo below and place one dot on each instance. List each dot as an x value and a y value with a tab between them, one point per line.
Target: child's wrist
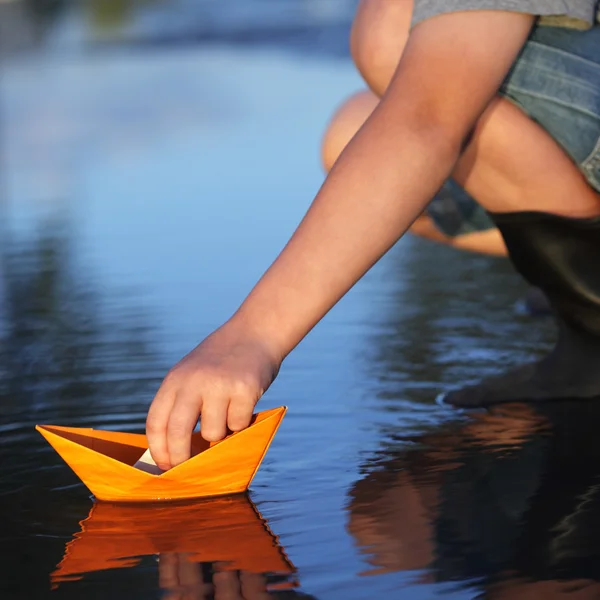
244	324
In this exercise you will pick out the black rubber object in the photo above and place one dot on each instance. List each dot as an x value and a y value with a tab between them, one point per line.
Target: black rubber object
561	257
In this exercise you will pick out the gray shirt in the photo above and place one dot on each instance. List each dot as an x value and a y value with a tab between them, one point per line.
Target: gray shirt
580	14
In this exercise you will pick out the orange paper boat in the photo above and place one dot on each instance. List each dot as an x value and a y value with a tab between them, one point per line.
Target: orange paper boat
104	461
227	531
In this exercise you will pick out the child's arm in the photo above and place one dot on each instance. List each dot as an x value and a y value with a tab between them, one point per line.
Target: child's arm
452	66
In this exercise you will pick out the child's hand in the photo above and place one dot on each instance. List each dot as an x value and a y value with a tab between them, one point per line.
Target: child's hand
222	379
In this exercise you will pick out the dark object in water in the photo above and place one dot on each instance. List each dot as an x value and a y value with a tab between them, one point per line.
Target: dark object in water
508	498
560	256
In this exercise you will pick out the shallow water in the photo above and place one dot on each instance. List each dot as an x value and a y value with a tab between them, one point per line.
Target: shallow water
144	194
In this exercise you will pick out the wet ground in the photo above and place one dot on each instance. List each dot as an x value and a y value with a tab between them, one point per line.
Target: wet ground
143	192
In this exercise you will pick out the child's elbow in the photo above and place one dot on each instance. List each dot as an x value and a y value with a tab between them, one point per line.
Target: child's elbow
431	117
444	137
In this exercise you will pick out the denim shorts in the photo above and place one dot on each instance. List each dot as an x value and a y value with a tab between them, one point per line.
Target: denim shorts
556	81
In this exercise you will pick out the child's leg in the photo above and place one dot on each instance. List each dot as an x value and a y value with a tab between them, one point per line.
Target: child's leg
379	34
540	197
550	219
511	163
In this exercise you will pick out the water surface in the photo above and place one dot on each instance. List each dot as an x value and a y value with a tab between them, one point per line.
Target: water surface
144	192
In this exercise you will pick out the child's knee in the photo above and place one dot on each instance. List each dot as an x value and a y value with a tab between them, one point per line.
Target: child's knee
377	39
346	121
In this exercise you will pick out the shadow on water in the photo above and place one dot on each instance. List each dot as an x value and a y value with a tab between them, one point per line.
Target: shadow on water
506	503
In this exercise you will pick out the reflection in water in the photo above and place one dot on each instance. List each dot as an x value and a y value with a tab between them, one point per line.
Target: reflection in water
509	499
449	323
75	341
205	549
74	354
57	346
66	356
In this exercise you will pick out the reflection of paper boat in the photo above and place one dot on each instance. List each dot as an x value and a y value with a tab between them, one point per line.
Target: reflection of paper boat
229	531
104	461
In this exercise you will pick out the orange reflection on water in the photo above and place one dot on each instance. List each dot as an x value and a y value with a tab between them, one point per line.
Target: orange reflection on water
228	532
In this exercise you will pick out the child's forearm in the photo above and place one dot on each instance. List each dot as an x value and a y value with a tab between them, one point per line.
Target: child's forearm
449	72
380	184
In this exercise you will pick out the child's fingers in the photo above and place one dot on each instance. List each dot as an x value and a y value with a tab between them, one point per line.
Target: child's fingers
254	586
168	567
213	422
182	420
156	425
227	585
240	413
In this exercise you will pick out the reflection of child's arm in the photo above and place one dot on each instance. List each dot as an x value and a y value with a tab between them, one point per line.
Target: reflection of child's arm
450	70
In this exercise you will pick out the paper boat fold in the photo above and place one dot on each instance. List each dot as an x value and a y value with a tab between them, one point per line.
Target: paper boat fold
227	531
104	461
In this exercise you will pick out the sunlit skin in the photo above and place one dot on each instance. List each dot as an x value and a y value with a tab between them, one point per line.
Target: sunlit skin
443	90
510	163
346	121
